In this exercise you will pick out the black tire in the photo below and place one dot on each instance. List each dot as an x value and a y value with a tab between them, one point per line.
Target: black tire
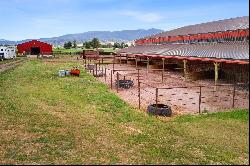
126	84
161	110
90	67
100	74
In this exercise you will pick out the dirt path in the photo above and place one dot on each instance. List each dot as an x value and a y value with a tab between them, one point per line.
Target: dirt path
10	65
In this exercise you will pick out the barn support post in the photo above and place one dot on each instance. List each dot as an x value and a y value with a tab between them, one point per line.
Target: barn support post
120	59
127	58
216	72
147	64
185	69
136	62
163	68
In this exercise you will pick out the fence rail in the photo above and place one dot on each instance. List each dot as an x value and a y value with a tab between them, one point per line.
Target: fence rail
195	99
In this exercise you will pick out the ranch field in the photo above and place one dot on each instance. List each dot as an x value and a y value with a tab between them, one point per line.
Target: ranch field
45	119
72	50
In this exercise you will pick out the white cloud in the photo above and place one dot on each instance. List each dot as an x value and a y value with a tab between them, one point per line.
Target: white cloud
142	16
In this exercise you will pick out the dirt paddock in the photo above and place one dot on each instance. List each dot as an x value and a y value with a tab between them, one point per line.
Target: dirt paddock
189	99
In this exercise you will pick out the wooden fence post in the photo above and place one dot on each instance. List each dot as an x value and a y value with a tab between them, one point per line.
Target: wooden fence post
114	64
105	73
117	82
163	68
234	94
139	94
156	97
200	100
111	78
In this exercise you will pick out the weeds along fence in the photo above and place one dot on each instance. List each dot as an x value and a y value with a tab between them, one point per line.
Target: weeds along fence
144	88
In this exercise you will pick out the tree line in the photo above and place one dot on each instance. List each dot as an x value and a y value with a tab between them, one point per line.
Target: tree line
94	43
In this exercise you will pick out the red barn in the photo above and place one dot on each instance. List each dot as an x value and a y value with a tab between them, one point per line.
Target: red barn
35	47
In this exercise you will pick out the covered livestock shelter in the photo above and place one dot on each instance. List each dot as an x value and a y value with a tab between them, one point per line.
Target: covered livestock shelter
35	47
217	50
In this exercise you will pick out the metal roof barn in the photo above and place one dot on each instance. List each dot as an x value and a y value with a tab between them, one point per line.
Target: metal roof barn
35	47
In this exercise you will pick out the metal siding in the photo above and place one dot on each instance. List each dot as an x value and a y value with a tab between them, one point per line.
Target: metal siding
44	47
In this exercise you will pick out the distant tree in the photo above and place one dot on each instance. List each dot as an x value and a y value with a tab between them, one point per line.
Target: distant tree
74	44
104	46
67	45
109	45
95	43
122	45
116	45
70	44
87	45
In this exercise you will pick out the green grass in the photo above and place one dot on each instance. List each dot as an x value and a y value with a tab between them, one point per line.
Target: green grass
72	50
108	49
63	50
77	120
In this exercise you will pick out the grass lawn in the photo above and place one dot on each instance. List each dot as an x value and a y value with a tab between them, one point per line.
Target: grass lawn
72	50
108	49
63	50
45	119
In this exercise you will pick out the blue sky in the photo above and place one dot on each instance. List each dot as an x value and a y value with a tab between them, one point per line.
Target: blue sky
22	19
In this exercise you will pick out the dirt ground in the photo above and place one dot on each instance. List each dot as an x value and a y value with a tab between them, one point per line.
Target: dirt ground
181	100
9	65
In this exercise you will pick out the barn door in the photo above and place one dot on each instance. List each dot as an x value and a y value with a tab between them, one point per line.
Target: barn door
35	50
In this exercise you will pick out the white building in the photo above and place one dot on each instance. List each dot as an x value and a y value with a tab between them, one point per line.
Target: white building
7	52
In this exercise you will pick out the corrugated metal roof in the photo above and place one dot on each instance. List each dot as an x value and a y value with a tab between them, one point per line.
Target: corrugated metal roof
227	50
215	26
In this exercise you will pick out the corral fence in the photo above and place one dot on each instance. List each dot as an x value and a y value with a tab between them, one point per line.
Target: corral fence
188	99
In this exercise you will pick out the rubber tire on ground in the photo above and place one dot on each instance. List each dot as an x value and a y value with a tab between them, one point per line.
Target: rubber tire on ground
126	84
90	67
100	74
161	110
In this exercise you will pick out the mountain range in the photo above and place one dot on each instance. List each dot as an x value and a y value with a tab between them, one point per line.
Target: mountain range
104	36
